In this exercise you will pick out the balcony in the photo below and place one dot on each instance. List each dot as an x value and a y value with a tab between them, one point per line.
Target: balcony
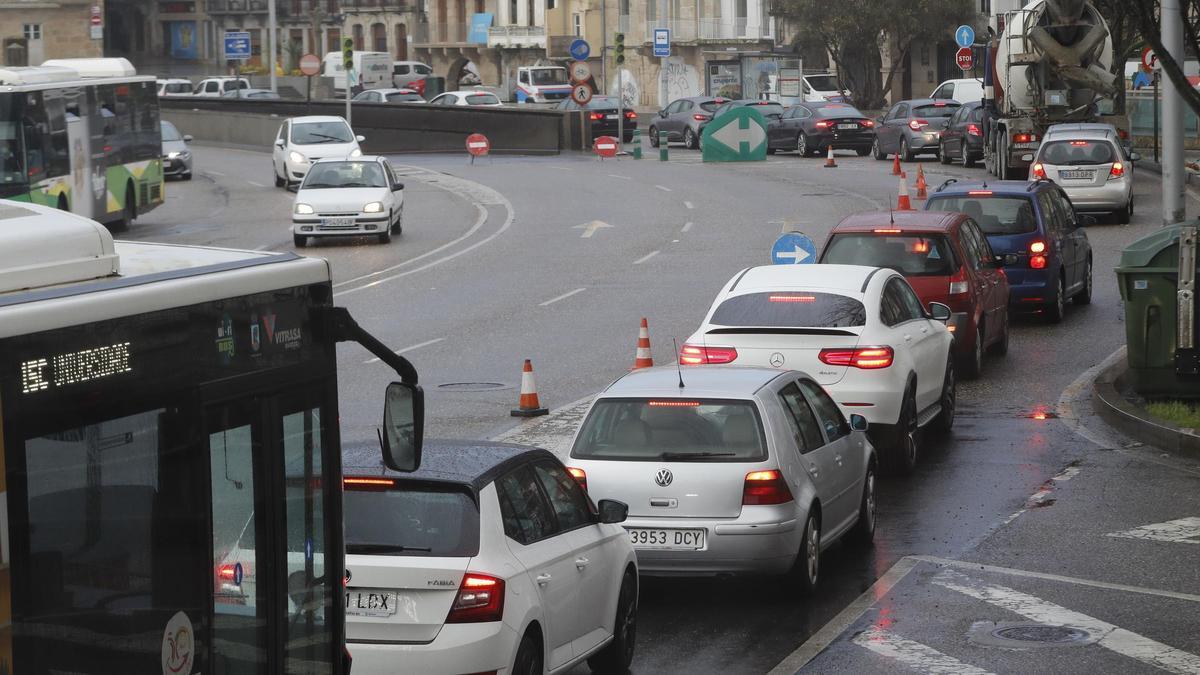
709	29
358	6
515	37
237	6
441	34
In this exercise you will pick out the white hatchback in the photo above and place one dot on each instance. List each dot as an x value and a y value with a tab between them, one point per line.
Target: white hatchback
341	197
488	559
304	140
860	332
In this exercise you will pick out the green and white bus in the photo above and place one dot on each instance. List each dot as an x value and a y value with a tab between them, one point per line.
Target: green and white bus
170	467
81	135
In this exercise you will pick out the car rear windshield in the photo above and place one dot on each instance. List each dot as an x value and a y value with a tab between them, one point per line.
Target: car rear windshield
709	106
790	309
482	99
911	254
767	109
411	519
837	111
1069	153
400	98
935	110
997	215
672	430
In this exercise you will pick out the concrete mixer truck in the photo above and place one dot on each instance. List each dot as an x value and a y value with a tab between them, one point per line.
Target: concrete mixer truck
1048	62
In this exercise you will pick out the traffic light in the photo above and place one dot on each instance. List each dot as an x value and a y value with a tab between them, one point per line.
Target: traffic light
619	48
348	53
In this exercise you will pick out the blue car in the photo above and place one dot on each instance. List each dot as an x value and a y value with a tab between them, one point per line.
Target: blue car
1034	229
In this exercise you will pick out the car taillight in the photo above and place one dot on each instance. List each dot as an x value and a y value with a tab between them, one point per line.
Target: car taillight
765	488
870	124
418	85
973	130
917	125
959	284
1037	262
822	125
630	115
1123	134
579	475
700	118
1117	170
596	116
226	572
696	355
480	599
1025	138
866	358
1039	171
1037	247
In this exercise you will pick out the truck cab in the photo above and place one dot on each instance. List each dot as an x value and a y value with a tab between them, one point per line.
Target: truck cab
541	84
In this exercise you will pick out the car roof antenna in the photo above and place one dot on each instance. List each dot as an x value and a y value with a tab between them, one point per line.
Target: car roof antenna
678	368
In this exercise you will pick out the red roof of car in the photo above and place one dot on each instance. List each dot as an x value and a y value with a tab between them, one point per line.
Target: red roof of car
912	221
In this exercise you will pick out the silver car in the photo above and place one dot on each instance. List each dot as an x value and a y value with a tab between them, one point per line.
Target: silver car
176	156
729	470
1090	165
683	120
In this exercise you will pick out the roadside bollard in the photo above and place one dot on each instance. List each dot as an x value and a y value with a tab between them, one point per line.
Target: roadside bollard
637	143
662	146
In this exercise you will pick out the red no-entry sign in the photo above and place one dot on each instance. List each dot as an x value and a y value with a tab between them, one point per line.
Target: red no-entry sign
965	58
478	145
605	146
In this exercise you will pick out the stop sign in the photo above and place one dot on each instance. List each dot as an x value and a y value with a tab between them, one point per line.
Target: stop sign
478	145
965	58
605	146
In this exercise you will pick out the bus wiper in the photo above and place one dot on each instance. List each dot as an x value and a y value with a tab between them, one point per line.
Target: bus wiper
693	455
385	548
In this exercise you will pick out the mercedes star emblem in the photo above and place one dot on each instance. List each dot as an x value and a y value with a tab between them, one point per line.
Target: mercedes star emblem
777	360
663	477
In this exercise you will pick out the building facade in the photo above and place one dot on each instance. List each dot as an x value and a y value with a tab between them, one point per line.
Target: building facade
33	31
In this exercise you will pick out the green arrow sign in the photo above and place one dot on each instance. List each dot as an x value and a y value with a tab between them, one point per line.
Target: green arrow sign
739	135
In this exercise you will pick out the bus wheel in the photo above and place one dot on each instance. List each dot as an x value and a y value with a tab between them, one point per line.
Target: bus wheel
62	203
129	213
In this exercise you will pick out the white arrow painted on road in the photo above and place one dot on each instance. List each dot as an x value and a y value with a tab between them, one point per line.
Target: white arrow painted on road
797	256
733	136
590	228
1181	531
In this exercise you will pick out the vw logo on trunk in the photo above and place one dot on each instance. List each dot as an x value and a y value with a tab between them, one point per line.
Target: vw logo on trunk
663	477
777	360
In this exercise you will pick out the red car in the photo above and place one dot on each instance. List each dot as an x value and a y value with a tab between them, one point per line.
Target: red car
946	258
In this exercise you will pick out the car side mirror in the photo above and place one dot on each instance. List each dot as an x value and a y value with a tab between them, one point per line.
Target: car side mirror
612	511
396	187
1135	156
360	138
279	143
403	426
939	312
662	113
1085	220
858	423
187	138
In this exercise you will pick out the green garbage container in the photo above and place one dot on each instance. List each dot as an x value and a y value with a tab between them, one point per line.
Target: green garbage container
1148	276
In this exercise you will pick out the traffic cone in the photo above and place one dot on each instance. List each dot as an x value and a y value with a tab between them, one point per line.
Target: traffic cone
922	186
829	161
528	405
642	358
896	170
902	202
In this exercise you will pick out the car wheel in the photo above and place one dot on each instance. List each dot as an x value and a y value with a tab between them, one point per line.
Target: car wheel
187	176
654	137
904	440
299	240
616	657
279	181
1056	308
972	363
1084	296
862	152
806	571
949	401
385	237
1001	346
398	226
863	533
689	139
770	150
942	156
877	151
802	148
905	152
1124	215
529	656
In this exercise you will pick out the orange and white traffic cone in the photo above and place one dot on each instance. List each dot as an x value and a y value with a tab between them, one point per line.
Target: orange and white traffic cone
829	161
528	405
922	186
903	203
896	170
643	359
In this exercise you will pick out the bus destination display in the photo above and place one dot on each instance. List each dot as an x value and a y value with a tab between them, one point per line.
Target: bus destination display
74	367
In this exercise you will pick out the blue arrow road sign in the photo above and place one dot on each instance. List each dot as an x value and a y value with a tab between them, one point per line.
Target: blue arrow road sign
237	45
662	42
964	36
793	248
580	50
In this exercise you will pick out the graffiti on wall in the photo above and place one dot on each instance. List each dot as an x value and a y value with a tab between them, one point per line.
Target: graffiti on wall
630	91
682	79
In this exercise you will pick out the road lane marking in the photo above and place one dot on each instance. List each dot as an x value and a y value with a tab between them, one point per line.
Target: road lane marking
1181	531
1112	637
617	175
686	227
838	624
564	296
689	205
590	228
1040	497
215	173
409	348
255	184
664	188
914	655
646	257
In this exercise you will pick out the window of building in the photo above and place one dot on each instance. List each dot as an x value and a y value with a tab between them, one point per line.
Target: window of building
33	31
578	25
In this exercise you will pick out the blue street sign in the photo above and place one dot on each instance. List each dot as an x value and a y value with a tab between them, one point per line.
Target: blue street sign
793	248
237	574
662	42
580	50
964	36
237	46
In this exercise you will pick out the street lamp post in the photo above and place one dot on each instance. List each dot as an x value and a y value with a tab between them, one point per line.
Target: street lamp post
271	30
1174	209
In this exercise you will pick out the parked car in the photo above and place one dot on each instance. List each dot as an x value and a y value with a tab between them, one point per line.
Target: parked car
214	87
741	470
912	128
265	94
812	128
489	558
471	97
389	96
963	136
174	86
946	258
604	115
342	197
304	140
683	119
1091	166
964	90
860	332
1035	230
410	75
176	156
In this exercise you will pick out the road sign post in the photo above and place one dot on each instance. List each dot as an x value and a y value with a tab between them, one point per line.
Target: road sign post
965	58
310	65
662	42
348	68
662	146
580	71
478	145
739	135
793	248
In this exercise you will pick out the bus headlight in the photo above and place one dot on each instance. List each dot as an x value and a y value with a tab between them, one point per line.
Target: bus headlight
296	157
373	207
303	210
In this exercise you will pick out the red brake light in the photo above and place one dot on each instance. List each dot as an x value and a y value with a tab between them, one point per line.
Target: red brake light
695	355
867	358
1122	133
700	118
674	404
579	475
870	124
366	483
887	230
980	193
1117	170
1039	171
973	130
1079	143
1037	262
480	598
226	572
630	115
1037	247
822	125
596	116
791	298
917	125
765	488
939	105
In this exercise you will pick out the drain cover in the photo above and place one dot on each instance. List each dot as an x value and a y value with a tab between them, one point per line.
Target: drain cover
1036	632
473	386
1024	635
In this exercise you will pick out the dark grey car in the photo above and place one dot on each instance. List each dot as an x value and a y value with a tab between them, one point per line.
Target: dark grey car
912	128
963	138
683	119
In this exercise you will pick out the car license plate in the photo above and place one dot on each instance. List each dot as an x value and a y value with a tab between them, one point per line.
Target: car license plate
611	117
847	126
337	222
1077	175
370	603
670	540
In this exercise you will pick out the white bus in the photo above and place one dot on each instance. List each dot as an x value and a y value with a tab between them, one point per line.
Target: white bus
170	469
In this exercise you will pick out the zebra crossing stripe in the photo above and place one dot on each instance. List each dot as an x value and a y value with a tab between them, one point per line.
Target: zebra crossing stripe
916	656
1181	531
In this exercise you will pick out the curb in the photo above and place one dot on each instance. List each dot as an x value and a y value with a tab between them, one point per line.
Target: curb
1132	421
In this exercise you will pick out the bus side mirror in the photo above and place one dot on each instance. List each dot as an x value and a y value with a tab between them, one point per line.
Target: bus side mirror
403	426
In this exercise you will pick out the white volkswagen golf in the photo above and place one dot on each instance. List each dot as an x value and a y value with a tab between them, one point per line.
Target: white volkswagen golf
729	470
861	332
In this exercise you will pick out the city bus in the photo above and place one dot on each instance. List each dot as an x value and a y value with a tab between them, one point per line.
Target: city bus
170	469
81	135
